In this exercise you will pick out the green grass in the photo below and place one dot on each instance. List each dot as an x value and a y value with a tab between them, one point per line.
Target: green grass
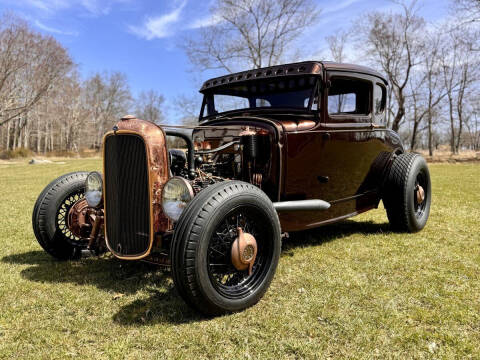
351	290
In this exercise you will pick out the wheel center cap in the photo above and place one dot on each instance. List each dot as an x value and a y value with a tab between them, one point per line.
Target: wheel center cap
247	254
244	251
420	194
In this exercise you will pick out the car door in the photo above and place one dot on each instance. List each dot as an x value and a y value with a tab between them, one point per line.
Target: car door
334	161
347	150
329	162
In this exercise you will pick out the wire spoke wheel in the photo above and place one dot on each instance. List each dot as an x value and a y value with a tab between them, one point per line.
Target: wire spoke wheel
50	216
229	281
62	216
226	248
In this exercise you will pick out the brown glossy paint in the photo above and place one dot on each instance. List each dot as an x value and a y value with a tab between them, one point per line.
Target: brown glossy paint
341	159
340	164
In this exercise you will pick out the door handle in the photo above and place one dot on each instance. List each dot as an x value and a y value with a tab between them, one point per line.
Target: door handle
323	179
326	136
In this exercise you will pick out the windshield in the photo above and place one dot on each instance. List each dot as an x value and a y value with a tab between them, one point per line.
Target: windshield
294	92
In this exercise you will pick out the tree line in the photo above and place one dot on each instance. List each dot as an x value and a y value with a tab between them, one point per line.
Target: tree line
432	69
45	105
433	72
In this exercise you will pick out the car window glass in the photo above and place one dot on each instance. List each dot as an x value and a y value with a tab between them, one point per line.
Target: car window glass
379	98
307	100
342	103
227	103
262	103
349	96
283	92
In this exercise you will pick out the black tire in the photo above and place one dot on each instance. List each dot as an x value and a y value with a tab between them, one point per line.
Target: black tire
49	216
404	212
196	277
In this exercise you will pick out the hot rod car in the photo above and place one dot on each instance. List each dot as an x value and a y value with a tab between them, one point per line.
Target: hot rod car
277	150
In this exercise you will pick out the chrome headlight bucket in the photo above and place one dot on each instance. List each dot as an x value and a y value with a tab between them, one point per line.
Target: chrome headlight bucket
176	194
94	189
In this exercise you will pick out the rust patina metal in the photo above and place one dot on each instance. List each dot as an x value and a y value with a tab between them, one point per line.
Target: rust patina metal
155	142
77	220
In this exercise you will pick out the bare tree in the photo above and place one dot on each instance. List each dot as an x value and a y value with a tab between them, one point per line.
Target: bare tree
252	33
149	106
467	14
44	106
337	43
460	71
470	9
71	113
30	64
392	40
108	96
427	90
472	122
187	108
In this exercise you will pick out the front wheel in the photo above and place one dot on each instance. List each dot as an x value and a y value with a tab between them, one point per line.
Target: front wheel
226	248
50	216
407	194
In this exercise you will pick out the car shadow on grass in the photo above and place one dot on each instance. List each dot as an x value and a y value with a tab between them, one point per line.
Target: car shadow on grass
106	272
163	305
327	233
116	277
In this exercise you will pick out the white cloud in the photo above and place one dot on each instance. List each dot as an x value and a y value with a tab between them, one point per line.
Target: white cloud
93	7
46	5
338	6
210	20
53	30
161	26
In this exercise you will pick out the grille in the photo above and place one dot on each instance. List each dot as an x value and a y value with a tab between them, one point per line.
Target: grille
127	209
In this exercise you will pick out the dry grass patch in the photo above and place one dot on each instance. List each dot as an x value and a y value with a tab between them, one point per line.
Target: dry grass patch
443	154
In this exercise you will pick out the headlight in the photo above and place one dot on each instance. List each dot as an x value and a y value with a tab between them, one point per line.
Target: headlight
176	194
94	189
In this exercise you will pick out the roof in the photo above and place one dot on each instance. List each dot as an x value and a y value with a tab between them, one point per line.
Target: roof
334	66
293	69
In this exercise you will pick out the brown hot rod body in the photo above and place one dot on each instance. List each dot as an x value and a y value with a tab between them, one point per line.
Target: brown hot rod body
280	149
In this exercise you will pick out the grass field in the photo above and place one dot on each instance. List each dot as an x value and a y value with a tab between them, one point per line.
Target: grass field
352	290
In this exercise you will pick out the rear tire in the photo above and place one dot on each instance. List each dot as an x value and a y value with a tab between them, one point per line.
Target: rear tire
49	217
201	264
405	213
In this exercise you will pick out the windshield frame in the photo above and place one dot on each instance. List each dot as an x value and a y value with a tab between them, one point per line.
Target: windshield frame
208	101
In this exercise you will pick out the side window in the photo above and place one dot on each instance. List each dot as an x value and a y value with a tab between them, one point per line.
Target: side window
349	96
262	103
379	98
342	103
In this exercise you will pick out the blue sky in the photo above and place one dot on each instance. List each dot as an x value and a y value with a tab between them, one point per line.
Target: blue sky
141	38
